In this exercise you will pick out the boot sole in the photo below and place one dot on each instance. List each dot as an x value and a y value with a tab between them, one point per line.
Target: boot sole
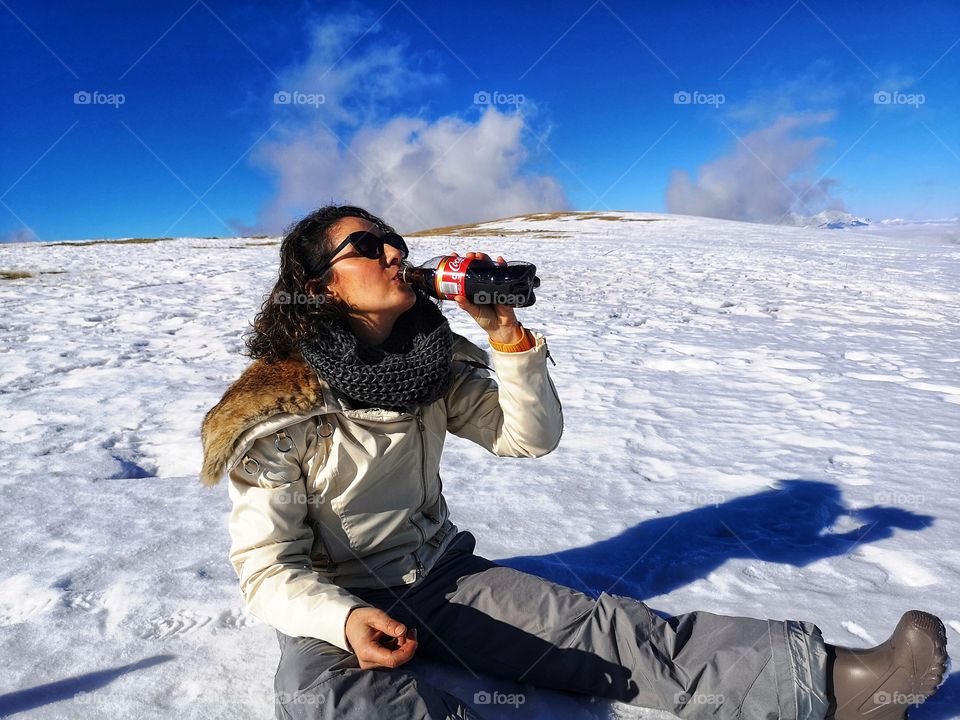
931	671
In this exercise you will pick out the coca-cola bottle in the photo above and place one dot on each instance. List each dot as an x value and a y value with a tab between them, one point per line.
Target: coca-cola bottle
484	282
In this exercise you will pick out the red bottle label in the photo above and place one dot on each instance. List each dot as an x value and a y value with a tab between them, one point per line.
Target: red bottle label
451	277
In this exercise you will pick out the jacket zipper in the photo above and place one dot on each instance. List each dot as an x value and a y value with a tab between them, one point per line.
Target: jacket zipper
417	415
552	388
423	488
547	348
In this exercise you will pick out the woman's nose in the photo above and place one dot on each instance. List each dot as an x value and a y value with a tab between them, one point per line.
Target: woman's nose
392	255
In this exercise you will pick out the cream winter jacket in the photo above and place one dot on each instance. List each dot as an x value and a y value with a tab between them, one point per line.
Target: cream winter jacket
328	498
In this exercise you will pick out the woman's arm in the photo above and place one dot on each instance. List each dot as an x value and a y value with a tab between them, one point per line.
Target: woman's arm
520	417
523	416
270	549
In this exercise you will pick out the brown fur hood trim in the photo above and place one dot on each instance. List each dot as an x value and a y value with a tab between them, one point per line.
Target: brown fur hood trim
262	390
266	389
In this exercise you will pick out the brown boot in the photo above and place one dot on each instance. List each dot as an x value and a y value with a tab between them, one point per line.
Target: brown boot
881	682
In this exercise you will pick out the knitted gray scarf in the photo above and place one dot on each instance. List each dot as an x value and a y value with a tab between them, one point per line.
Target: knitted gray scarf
412	367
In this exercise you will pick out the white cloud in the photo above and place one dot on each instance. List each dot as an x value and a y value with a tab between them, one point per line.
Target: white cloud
358	74
355	148
772	94
762	178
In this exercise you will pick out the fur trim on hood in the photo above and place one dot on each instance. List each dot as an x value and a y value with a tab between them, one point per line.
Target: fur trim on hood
262	390
266	389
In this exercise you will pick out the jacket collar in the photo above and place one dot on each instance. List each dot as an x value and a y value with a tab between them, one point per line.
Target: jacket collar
279	393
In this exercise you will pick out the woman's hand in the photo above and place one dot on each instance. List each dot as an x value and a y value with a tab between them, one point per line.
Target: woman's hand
378	640
499	321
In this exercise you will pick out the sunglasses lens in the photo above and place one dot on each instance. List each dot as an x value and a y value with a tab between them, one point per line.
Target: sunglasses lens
367	244
371	246
396	241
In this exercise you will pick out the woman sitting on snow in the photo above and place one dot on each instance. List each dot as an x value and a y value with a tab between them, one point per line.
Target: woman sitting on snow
342	541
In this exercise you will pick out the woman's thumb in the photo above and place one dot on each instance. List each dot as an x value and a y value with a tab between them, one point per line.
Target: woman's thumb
383	622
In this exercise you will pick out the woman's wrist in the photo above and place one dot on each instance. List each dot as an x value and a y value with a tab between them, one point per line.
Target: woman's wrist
508	334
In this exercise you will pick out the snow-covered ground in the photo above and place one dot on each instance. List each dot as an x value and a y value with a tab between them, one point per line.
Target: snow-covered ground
759	420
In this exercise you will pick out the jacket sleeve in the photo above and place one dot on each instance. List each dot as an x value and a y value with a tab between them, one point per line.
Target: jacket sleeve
270	549
520	417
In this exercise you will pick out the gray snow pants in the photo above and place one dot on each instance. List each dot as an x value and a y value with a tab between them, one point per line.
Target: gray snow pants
492	619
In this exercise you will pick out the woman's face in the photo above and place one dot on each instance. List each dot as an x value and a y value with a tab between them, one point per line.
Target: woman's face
368	286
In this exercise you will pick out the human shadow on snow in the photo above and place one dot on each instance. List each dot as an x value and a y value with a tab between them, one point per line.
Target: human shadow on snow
790	525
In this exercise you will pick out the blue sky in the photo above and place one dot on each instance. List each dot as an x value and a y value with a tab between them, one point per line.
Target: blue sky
221	118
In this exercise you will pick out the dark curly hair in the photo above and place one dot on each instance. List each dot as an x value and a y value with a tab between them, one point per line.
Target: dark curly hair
293	307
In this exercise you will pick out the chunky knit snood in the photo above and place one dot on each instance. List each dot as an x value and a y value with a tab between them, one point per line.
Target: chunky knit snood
411	368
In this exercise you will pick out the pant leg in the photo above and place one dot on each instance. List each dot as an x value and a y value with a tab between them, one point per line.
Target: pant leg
494	619
316	680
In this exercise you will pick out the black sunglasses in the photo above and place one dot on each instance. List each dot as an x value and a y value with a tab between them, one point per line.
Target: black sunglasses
368	245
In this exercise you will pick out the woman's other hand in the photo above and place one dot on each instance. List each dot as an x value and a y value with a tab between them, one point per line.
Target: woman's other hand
499	321
378	640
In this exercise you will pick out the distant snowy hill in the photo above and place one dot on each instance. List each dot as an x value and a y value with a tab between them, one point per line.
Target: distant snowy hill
759	420
828	219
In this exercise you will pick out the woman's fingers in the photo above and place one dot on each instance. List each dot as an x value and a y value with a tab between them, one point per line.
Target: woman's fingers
394	653
379	640
372	654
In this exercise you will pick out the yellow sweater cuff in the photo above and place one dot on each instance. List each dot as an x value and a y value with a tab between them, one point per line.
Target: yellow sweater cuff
527	342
